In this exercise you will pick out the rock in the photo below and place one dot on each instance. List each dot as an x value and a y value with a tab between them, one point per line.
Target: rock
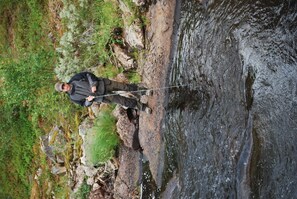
121	78
125	185
154	72
133	33
54	145
125	128
122	55
139	2
85	126
95	109
57	170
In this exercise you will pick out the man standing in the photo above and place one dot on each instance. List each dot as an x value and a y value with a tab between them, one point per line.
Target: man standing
85	88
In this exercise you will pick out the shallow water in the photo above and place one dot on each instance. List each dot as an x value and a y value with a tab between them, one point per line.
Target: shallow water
231	128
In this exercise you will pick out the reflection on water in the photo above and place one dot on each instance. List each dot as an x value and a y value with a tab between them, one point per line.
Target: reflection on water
232	132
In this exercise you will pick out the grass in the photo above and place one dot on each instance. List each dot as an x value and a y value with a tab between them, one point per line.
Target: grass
28	100
102	138
83	191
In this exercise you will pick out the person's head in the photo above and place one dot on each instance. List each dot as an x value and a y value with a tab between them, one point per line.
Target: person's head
62	87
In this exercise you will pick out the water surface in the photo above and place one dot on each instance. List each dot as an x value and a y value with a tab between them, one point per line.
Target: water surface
231	129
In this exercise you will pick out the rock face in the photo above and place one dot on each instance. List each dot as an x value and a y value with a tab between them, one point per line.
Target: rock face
154	70
128	174
53	145
139	2
125	128
133	32
122	55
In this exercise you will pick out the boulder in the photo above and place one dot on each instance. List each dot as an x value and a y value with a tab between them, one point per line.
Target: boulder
139	2
133	32
83	129
125	128
122	55
125	185
53	145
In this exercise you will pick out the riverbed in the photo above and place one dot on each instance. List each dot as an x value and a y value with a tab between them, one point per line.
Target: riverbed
230	122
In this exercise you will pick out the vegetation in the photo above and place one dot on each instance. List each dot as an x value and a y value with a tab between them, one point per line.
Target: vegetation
42	40
85	43
84	191
102	138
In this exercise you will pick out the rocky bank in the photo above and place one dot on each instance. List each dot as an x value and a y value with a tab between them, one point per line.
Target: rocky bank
119	177
152	66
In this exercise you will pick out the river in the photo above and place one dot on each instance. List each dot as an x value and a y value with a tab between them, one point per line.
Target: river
231	127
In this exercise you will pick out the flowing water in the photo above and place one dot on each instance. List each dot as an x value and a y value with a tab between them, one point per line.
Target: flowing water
232	131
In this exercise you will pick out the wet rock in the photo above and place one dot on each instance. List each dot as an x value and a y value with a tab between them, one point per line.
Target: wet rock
122	55
172	188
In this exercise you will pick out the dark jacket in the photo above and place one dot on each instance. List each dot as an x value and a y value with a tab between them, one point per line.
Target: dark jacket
81	88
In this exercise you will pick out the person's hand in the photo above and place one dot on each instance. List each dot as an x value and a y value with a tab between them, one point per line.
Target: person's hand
94	89
90	98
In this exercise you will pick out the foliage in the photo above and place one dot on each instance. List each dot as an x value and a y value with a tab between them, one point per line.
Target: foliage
102	138
134	77
83	191
88	32
109	71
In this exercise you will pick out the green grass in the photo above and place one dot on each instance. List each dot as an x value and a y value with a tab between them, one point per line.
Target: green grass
27	97
102	138
83	191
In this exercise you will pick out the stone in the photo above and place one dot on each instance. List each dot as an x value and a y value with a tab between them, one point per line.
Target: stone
57	170
121	54
133	32
53	145
139	2
125	128
125	185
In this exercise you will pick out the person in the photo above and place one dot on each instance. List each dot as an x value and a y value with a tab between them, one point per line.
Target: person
85	88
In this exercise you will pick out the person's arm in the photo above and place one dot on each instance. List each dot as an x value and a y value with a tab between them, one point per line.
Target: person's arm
93	80
87	76
84	103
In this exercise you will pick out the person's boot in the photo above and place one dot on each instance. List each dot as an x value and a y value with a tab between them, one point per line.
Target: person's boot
148	110
142	91
149	92
144	108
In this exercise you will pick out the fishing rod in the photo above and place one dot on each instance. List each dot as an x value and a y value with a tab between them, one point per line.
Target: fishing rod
143	90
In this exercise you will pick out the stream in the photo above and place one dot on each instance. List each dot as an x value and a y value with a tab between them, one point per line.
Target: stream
231	126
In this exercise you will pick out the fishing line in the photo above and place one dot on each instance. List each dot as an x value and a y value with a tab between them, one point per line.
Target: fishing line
143	90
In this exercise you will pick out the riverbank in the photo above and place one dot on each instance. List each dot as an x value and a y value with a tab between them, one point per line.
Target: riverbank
154	68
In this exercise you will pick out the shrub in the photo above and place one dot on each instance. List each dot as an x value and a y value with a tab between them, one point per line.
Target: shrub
83	191
88	33
102	138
